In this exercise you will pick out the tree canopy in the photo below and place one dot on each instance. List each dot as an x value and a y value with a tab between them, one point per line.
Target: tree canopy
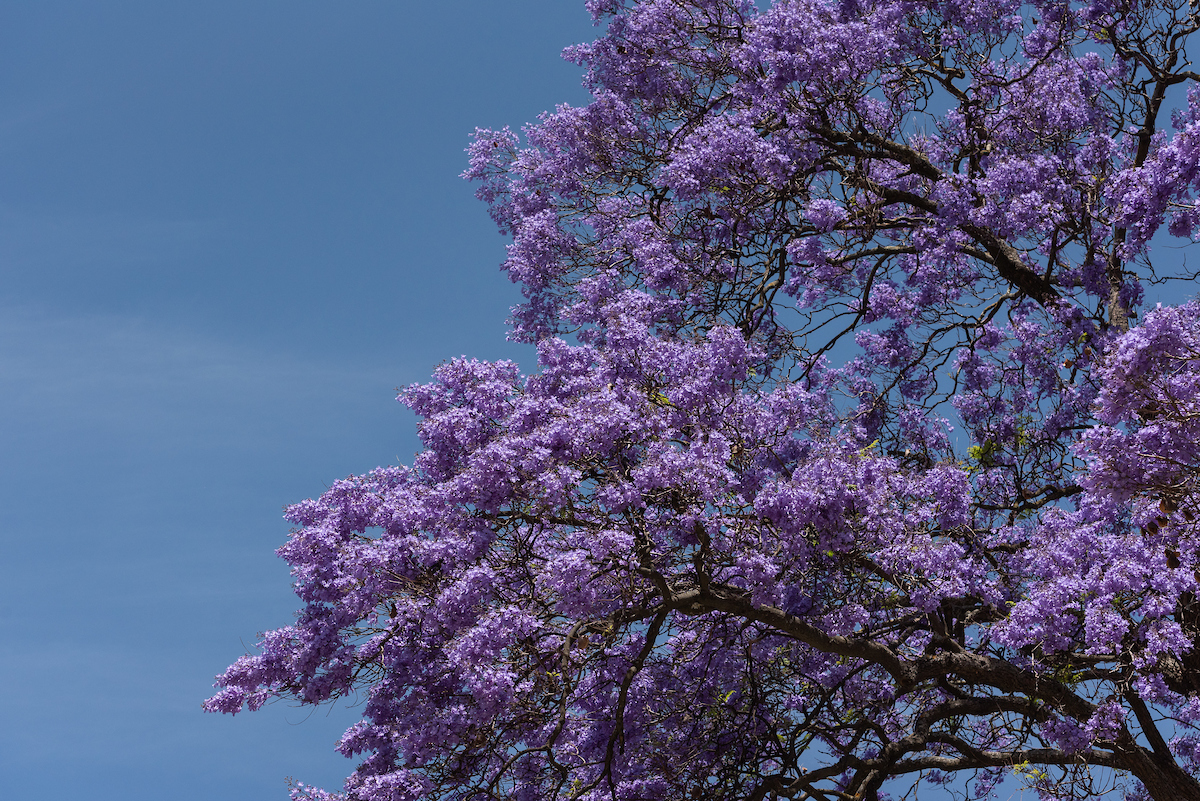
851	462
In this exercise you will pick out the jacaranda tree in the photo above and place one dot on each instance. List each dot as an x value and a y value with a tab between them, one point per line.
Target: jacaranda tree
848	465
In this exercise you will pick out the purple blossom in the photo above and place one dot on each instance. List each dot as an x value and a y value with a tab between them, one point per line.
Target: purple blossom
841	469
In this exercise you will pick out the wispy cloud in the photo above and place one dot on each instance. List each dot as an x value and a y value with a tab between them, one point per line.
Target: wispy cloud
112	376
66	242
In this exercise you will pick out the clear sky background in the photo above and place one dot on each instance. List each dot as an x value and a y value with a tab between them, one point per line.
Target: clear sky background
228	232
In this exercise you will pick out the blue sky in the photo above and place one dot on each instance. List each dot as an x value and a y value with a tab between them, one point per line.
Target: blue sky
228	232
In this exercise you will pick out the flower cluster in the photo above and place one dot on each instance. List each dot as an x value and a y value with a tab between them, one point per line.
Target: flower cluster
840	465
